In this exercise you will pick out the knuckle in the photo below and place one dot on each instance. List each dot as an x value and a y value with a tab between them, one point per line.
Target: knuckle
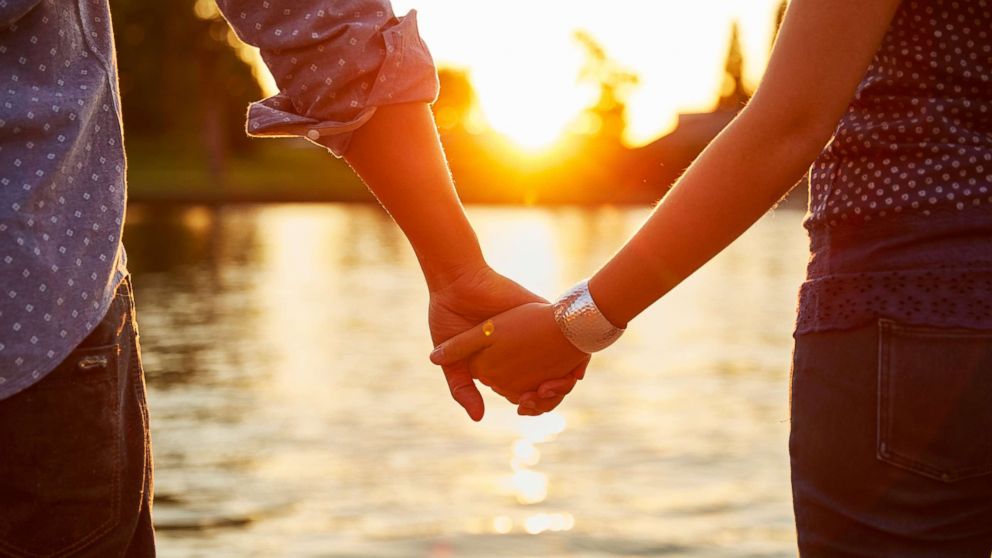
462	389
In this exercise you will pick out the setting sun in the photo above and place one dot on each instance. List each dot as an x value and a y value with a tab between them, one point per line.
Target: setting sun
525	61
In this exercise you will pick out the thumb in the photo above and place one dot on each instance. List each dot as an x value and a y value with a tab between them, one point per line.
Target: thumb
463	345
464	391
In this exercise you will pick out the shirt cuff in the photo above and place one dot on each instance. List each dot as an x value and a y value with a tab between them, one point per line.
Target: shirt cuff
407	74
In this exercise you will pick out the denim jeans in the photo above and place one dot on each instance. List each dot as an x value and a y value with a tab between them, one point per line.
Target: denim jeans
75	452
891	442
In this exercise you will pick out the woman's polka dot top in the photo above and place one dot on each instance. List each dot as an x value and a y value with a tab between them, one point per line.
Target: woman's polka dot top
914	147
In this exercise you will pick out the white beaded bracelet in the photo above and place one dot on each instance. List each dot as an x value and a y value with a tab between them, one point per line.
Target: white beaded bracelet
582	323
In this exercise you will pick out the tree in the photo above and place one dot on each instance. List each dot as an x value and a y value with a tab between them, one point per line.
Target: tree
180	78
614	82
733	93
457	101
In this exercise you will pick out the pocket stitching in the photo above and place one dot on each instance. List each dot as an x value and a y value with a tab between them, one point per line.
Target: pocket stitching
884	426
114	519
113	350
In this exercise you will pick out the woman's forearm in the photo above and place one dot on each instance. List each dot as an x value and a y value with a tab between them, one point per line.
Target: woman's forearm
736	180
815	68
399	156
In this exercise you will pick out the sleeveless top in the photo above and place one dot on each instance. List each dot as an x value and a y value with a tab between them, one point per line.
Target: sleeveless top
900	209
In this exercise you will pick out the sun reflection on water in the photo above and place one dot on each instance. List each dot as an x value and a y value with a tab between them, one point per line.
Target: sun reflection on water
541	522
530	487
524	247
527	485
288	424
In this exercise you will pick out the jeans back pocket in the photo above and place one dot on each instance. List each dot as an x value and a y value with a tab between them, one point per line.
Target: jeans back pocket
935	400
61	458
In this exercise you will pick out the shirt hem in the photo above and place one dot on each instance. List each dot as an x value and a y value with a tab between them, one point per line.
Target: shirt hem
959	297
46	365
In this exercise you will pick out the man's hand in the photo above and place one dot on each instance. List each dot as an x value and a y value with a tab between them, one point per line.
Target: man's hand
398	154
524	351
471	297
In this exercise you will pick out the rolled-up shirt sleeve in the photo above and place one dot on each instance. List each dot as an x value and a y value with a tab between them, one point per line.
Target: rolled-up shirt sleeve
334	63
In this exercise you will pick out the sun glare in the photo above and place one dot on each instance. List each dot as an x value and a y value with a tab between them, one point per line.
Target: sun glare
531	97
524	59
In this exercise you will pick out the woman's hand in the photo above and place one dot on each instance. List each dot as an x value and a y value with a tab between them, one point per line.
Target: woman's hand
466	300
518	352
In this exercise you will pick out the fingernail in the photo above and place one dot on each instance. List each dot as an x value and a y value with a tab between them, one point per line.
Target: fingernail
550	394
529	404
436	353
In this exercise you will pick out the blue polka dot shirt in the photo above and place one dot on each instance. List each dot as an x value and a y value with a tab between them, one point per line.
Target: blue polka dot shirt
62	183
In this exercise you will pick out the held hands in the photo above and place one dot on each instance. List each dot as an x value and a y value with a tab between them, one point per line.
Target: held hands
521	354
473	296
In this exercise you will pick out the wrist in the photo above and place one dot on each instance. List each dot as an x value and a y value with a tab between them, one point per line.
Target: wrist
442	273
448	251
607	304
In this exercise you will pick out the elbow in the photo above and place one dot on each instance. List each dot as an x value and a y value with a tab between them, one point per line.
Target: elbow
805	130
812	130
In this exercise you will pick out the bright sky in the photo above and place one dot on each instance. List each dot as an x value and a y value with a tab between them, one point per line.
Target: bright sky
524	60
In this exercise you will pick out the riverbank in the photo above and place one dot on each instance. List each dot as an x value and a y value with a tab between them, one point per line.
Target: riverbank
279	170
294	171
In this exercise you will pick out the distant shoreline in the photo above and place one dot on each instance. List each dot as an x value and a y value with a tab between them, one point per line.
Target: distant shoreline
164	173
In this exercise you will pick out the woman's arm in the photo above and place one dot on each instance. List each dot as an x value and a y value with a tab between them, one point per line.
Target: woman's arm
819	59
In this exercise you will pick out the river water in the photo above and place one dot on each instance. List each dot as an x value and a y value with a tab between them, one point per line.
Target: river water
295	412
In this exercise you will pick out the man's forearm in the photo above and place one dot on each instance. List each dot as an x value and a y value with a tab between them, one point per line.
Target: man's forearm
399	156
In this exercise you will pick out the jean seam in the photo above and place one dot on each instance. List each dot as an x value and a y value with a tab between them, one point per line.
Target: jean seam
135	376
884	327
